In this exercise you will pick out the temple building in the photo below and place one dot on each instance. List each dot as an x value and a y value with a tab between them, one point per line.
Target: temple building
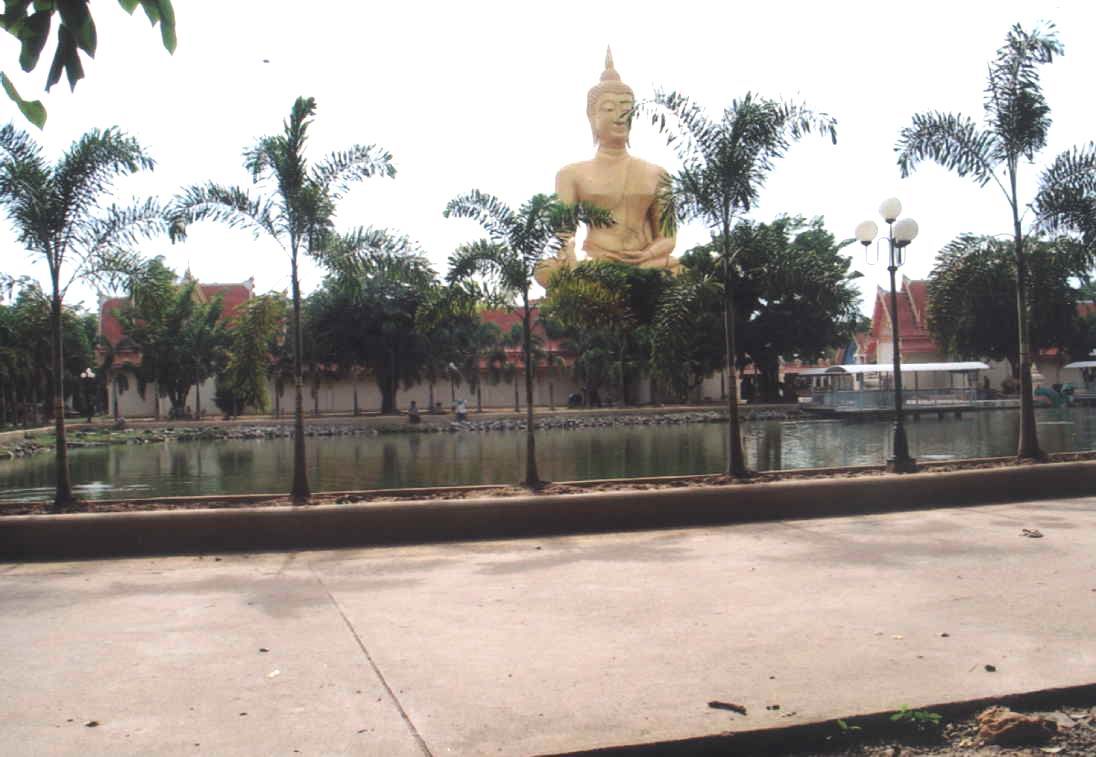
918	346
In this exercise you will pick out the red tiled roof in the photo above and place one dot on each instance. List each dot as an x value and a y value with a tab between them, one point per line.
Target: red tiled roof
507	319
912	322
233	295
918	294
109	326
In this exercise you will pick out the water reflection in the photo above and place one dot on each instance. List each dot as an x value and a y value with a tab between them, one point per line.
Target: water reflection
341	463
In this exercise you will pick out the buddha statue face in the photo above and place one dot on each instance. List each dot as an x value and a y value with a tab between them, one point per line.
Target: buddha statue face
609	106
611	120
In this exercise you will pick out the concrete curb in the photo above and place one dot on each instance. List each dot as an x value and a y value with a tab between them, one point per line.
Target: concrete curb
799	739
77	536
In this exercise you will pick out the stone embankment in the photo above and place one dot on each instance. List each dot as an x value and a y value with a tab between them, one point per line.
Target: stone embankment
372	426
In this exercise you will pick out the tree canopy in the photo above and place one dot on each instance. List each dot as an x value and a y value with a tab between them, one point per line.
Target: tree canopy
367	314
181	336
609	307
972	308
793	294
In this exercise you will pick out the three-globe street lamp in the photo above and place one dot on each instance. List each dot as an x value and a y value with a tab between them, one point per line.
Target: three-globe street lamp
899	234
89	379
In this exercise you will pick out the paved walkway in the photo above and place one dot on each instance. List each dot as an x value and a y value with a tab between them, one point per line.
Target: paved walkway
542	646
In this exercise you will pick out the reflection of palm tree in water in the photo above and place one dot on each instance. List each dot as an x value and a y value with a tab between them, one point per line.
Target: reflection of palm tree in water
770	451
390	465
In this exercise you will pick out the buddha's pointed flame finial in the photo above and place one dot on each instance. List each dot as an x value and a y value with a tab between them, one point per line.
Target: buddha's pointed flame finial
610	72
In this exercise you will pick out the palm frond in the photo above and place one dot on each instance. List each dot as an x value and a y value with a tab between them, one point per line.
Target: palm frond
1075	168
689	130
726	161
231	206
18	145
1015	105
88	169
296	126
1066	201
480	257
121	227
488	211
264	157
26	191
107	244
953	141
342	168
674	319
363	249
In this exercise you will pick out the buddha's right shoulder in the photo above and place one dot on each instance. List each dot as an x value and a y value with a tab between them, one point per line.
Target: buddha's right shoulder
572	170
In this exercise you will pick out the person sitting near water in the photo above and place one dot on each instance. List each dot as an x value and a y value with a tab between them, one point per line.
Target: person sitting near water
413	413
462	410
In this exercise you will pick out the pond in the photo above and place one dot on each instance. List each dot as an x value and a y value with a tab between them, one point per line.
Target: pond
496	457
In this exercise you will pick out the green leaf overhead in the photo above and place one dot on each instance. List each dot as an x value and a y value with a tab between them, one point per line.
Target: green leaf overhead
33	34
32	110
31	24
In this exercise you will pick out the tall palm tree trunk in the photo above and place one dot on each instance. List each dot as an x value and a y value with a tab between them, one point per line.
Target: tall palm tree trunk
63	497
532	478
736	463
1028	447
623	384
300	493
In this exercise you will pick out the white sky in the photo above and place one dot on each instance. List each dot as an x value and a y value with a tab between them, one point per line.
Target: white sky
493	95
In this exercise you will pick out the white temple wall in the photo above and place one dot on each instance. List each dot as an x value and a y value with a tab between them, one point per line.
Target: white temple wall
338	397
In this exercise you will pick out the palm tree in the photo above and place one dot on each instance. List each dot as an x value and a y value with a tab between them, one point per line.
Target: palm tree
298	214
725	162
514	338
516	243
482	347
256	327
1017	119
58	213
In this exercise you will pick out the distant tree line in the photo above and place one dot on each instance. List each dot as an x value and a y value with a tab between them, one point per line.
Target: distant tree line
26	367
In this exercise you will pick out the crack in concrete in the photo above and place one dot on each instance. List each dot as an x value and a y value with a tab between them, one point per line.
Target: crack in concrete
372	663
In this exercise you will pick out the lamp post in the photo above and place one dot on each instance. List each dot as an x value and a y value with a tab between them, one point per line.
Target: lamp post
89	381
899	235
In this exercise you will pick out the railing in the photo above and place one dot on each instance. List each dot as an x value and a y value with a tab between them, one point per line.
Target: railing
883	399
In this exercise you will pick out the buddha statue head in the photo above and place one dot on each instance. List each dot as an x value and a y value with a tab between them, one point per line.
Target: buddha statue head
609	106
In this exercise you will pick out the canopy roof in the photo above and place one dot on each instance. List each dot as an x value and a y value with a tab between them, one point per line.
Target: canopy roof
1082	364
853	370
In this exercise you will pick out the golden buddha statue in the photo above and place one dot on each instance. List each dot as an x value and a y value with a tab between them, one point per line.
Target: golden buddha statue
614	180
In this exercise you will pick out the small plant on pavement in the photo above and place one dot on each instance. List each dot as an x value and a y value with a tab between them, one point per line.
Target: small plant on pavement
918	722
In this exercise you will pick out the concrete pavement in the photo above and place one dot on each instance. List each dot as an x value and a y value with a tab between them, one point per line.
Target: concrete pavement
545	645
